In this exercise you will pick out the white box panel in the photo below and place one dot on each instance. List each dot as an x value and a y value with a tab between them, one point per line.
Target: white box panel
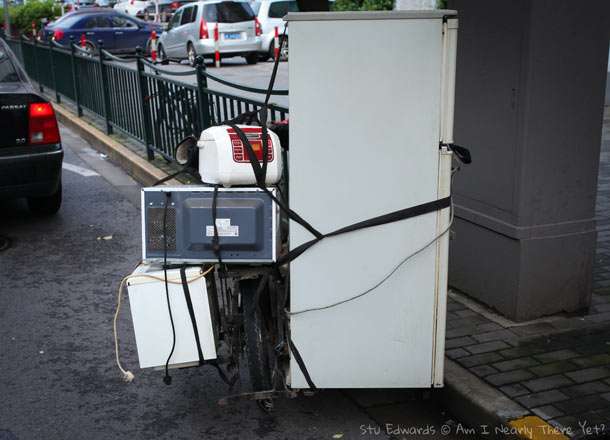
152	326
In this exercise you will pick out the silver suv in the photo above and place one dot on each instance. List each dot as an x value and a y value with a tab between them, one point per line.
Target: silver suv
191	31
270	14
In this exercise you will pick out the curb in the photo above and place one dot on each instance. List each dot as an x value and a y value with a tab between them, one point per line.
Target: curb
137	167
488	410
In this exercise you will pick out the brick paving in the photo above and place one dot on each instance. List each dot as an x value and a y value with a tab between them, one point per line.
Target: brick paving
558	368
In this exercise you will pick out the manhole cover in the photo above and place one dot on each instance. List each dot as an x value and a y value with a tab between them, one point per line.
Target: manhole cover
5	243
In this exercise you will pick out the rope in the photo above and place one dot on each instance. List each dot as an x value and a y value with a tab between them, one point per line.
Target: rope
115	58
127	375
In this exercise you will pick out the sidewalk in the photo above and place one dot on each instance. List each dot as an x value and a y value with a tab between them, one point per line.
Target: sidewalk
559	367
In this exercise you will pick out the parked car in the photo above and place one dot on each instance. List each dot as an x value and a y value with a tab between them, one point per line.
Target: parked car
119	32
270	14
132	7
30	145
191	31
167	8
105	3
75	5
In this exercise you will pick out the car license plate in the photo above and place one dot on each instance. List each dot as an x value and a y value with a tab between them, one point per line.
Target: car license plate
232	35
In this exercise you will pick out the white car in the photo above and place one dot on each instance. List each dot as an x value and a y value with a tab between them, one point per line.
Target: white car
270	14
191	31
132	7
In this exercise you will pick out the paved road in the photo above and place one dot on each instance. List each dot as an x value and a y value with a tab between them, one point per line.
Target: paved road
58	379
236	70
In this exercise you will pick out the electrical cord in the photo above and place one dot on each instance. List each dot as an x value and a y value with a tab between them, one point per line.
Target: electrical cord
167	379
384	279
127	375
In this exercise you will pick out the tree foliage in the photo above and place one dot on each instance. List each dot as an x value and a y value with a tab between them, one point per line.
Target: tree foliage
33	11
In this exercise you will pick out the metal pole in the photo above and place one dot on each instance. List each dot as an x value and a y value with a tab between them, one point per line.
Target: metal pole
79	110
7	19
35	49
202	94
53	73
106	97
144	105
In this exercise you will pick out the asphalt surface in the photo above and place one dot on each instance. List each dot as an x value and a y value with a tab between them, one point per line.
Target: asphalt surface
58	379
237	71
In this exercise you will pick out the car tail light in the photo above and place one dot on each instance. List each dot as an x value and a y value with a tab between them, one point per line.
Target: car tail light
58	34
174	6
203	30
43	125
258	29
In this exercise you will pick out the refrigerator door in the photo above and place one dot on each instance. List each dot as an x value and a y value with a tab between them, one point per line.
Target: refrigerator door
365	126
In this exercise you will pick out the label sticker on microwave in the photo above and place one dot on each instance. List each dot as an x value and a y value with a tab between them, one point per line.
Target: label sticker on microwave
225	229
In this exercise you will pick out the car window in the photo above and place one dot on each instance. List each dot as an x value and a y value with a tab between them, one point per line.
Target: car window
187	14
96	22
175	19
122	22
7	70
280	9
194	14
209	13
256	7
233	12
67	21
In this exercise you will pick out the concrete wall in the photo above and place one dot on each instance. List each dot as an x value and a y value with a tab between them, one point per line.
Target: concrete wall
608	84
529	104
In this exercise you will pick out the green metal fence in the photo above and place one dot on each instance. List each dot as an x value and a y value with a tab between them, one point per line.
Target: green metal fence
138	99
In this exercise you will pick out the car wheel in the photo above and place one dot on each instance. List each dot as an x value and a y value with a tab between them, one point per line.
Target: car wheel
90	48
161	56
284	52
252	58
191	54
255	337
47	205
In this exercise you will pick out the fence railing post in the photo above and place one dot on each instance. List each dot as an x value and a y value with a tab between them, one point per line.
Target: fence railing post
36	69
54	73
144	105
21	49
202	95
105	95
79	110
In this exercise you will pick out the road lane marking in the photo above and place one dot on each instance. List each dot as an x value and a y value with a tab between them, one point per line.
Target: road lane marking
79	170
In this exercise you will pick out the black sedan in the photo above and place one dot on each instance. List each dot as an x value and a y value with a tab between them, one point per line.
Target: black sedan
30	146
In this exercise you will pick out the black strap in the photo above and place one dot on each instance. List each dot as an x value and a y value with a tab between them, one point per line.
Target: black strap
189	305
395	216
301	364
216	238
462	153
260	176
185	170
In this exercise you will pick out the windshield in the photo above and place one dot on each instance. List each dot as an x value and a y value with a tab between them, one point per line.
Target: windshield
280	9
228	12
7	70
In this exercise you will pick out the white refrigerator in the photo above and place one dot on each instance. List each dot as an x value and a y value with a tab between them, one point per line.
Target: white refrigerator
371	101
